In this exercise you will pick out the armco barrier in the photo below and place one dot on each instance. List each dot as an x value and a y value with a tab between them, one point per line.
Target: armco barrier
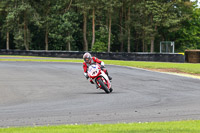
101	55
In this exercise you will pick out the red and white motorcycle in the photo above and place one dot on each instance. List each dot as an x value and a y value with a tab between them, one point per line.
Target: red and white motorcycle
99	77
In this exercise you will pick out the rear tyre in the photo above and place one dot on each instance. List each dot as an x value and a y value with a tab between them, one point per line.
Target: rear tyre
103	86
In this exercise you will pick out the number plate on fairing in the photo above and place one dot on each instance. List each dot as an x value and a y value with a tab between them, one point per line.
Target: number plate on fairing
93	70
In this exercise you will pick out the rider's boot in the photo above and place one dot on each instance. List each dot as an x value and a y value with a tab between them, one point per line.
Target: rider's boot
91	81
106	72
110	78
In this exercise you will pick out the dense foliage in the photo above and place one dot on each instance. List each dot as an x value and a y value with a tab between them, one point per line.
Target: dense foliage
100	25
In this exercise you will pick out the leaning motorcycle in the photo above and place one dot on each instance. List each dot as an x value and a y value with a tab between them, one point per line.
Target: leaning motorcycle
98	76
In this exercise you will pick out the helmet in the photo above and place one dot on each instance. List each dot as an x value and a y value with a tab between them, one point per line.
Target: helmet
87	57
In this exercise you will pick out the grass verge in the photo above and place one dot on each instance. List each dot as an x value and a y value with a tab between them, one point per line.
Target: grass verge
152	127
180	67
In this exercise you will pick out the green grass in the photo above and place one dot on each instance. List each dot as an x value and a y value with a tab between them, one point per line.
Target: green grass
43	60
153	127
183	67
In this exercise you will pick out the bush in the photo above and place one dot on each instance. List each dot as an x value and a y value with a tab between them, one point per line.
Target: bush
100	47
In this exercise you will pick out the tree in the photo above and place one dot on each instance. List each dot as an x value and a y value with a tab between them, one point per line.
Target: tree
141	25
62	29
121	28
45	13
109	6
83	5
189	33
158	18
3	10
101	41
20	17
94	6
134	25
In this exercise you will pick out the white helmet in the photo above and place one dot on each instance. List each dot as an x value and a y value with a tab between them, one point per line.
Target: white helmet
87	57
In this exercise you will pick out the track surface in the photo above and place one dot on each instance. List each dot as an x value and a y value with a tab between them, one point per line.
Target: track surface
38	93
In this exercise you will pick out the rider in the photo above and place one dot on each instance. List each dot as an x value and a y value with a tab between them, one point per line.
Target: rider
89	60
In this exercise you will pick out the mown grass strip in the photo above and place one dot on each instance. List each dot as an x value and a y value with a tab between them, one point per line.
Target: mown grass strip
43	60
182	67
21	56
153	127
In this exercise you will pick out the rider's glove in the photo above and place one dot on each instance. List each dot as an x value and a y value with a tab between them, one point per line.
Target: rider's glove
102	63
86	75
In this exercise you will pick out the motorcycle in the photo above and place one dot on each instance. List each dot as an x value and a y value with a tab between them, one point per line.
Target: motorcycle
98	76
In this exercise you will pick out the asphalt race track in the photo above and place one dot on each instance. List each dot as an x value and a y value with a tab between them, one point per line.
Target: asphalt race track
38	93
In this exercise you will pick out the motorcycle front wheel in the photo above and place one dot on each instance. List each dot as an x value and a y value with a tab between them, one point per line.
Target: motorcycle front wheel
103	86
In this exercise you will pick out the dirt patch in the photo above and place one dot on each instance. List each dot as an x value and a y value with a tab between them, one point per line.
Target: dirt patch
173	70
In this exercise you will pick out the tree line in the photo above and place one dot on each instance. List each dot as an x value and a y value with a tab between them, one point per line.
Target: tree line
100	25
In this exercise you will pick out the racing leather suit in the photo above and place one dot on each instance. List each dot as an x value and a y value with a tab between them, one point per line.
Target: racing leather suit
93	61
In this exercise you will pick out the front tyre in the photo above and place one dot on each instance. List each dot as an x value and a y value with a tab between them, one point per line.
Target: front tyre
111	89
103	86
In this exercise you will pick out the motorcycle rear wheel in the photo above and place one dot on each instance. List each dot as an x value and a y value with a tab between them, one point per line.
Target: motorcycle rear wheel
103	86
